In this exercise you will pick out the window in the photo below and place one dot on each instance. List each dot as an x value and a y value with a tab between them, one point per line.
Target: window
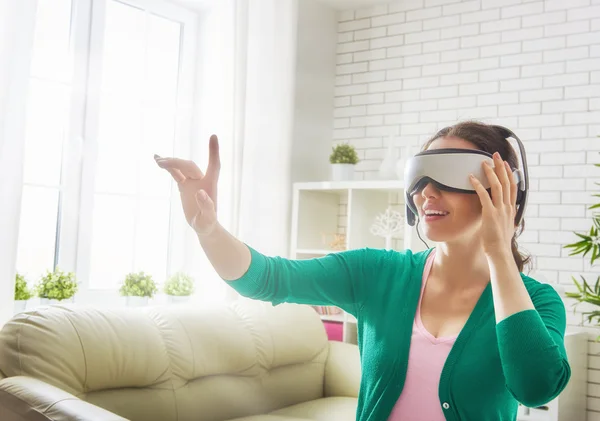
115	83
47	121
138	99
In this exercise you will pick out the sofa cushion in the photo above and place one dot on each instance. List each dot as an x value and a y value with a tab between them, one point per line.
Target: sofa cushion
325	409
173	363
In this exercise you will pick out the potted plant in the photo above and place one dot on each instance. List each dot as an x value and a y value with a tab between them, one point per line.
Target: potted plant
57	286
179	287
22	293
138	288
343	158
588	243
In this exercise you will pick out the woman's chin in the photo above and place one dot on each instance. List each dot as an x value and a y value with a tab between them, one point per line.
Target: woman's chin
433	236
436	233
446	233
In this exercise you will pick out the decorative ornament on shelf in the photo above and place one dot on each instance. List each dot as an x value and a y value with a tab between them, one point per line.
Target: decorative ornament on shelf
335	241
387	225
387	169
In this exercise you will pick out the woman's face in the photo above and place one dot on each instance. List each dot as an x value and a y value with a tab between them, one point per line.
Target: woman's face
448	216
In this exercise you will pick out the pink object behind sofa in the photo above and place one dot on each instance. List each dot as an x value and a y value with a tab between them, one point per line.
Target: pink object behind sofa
335	330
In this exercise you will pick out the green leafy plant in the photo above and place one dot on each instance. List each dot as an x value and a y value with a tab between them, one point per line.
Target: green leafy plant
138	284
57	285
343	154
179	285
588	244
22	290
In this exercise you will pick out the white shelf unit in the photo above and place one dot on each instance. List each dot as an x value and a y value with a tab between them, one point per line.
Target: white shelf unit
349	208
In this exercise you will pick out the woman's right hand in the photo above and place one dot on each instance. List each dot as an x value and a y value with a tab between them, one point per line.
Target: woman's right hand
198	190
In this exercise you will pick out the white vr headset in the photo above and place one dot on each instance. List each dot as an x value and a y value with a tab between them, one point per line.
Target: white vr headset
449	169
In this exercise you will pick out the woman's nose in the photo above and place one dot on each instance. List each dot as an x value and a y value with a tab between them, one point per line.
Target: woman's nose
430	191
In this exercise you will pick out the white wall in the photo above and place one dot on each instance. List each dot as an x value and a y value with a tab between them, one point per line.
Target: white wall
314	91
416	65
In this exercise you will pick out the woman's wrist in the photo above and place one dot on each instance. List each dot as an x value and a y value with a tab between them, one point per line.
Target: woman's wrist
500	255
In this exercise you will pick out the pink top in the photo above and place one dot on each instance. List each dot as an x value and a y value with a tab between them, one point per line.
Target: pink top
419	400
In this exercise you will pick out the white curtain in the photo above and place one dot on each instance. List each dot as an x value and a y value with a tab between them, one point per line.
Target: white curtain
17	19
265	184
245	93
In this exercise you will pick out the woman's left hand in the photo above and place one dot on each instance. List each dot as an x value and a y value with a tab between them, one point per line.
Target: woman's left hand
498	211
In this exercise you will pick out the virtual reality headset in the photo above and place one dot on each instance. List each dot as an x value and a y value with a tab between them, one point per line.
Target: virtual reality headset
448	169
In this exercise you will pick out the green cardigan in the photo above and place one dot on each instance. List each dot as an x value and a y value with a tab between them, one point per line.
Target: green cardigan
490	368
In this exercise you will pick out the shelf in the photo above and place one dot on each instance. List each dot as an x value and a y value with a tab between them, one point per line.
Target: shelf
348	318
323	210
332	317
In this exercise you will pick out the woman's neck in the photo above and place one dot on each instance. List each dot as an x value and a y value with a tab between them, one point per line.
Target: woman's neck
461	265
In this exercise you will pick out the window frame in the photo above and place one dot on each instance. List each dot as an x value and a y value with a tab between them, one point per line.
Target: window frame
80	147
58	187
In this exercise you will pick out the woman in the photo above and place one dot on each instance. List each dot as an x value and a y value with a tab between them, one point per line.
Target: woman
456	332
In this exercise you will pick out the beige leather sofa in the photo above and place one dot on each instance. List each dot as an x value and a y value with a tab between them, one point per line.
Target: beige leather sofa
246	361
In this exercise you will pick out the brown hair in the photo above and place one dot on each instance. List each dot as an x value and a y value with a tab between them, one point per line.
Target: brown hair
489	138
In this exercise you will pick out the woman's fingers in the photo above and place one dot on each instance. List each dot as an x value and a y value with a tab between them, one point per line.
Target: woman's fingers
188	168
177	175
484	196
495	184
214	159
500	170
513	187
205	218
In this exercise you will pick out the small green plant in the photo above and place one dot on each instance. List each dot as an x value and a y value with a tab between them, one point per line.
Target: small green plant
343	154
589	244
57	285
138	284
179	285
22	290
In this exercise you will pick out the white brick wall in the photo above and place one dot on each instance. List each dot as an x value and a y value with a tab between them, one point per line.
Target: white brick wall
413	66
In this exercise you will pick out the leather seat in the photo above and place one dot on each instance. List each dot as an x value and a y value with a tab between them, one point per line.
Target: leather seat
246	360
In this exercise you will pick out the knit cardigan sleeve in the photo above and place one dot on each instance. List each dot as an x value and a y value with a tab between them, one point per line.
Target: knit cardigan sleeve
532	350
337	279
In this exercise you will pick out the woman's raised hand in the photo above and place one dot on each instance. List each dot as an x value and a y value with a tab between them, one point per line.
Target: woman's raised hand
198	190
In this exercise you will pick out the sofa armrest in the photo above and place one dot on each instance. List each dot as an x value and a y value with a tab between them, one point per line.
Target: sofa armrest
342	370
29	399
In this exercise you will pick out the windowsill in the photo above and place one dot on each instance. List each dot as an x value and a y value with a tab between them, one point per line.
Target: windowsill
112	299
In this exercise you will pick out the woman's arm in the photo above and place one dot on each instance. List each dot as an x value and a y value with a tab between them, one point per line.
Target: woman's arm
530	330
228	256
530	338
338	279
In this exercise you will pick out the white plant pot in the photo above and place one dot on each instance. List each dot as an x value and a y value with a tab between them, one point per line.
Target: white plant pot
177	299
342	172
52	301
133	301
20	306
